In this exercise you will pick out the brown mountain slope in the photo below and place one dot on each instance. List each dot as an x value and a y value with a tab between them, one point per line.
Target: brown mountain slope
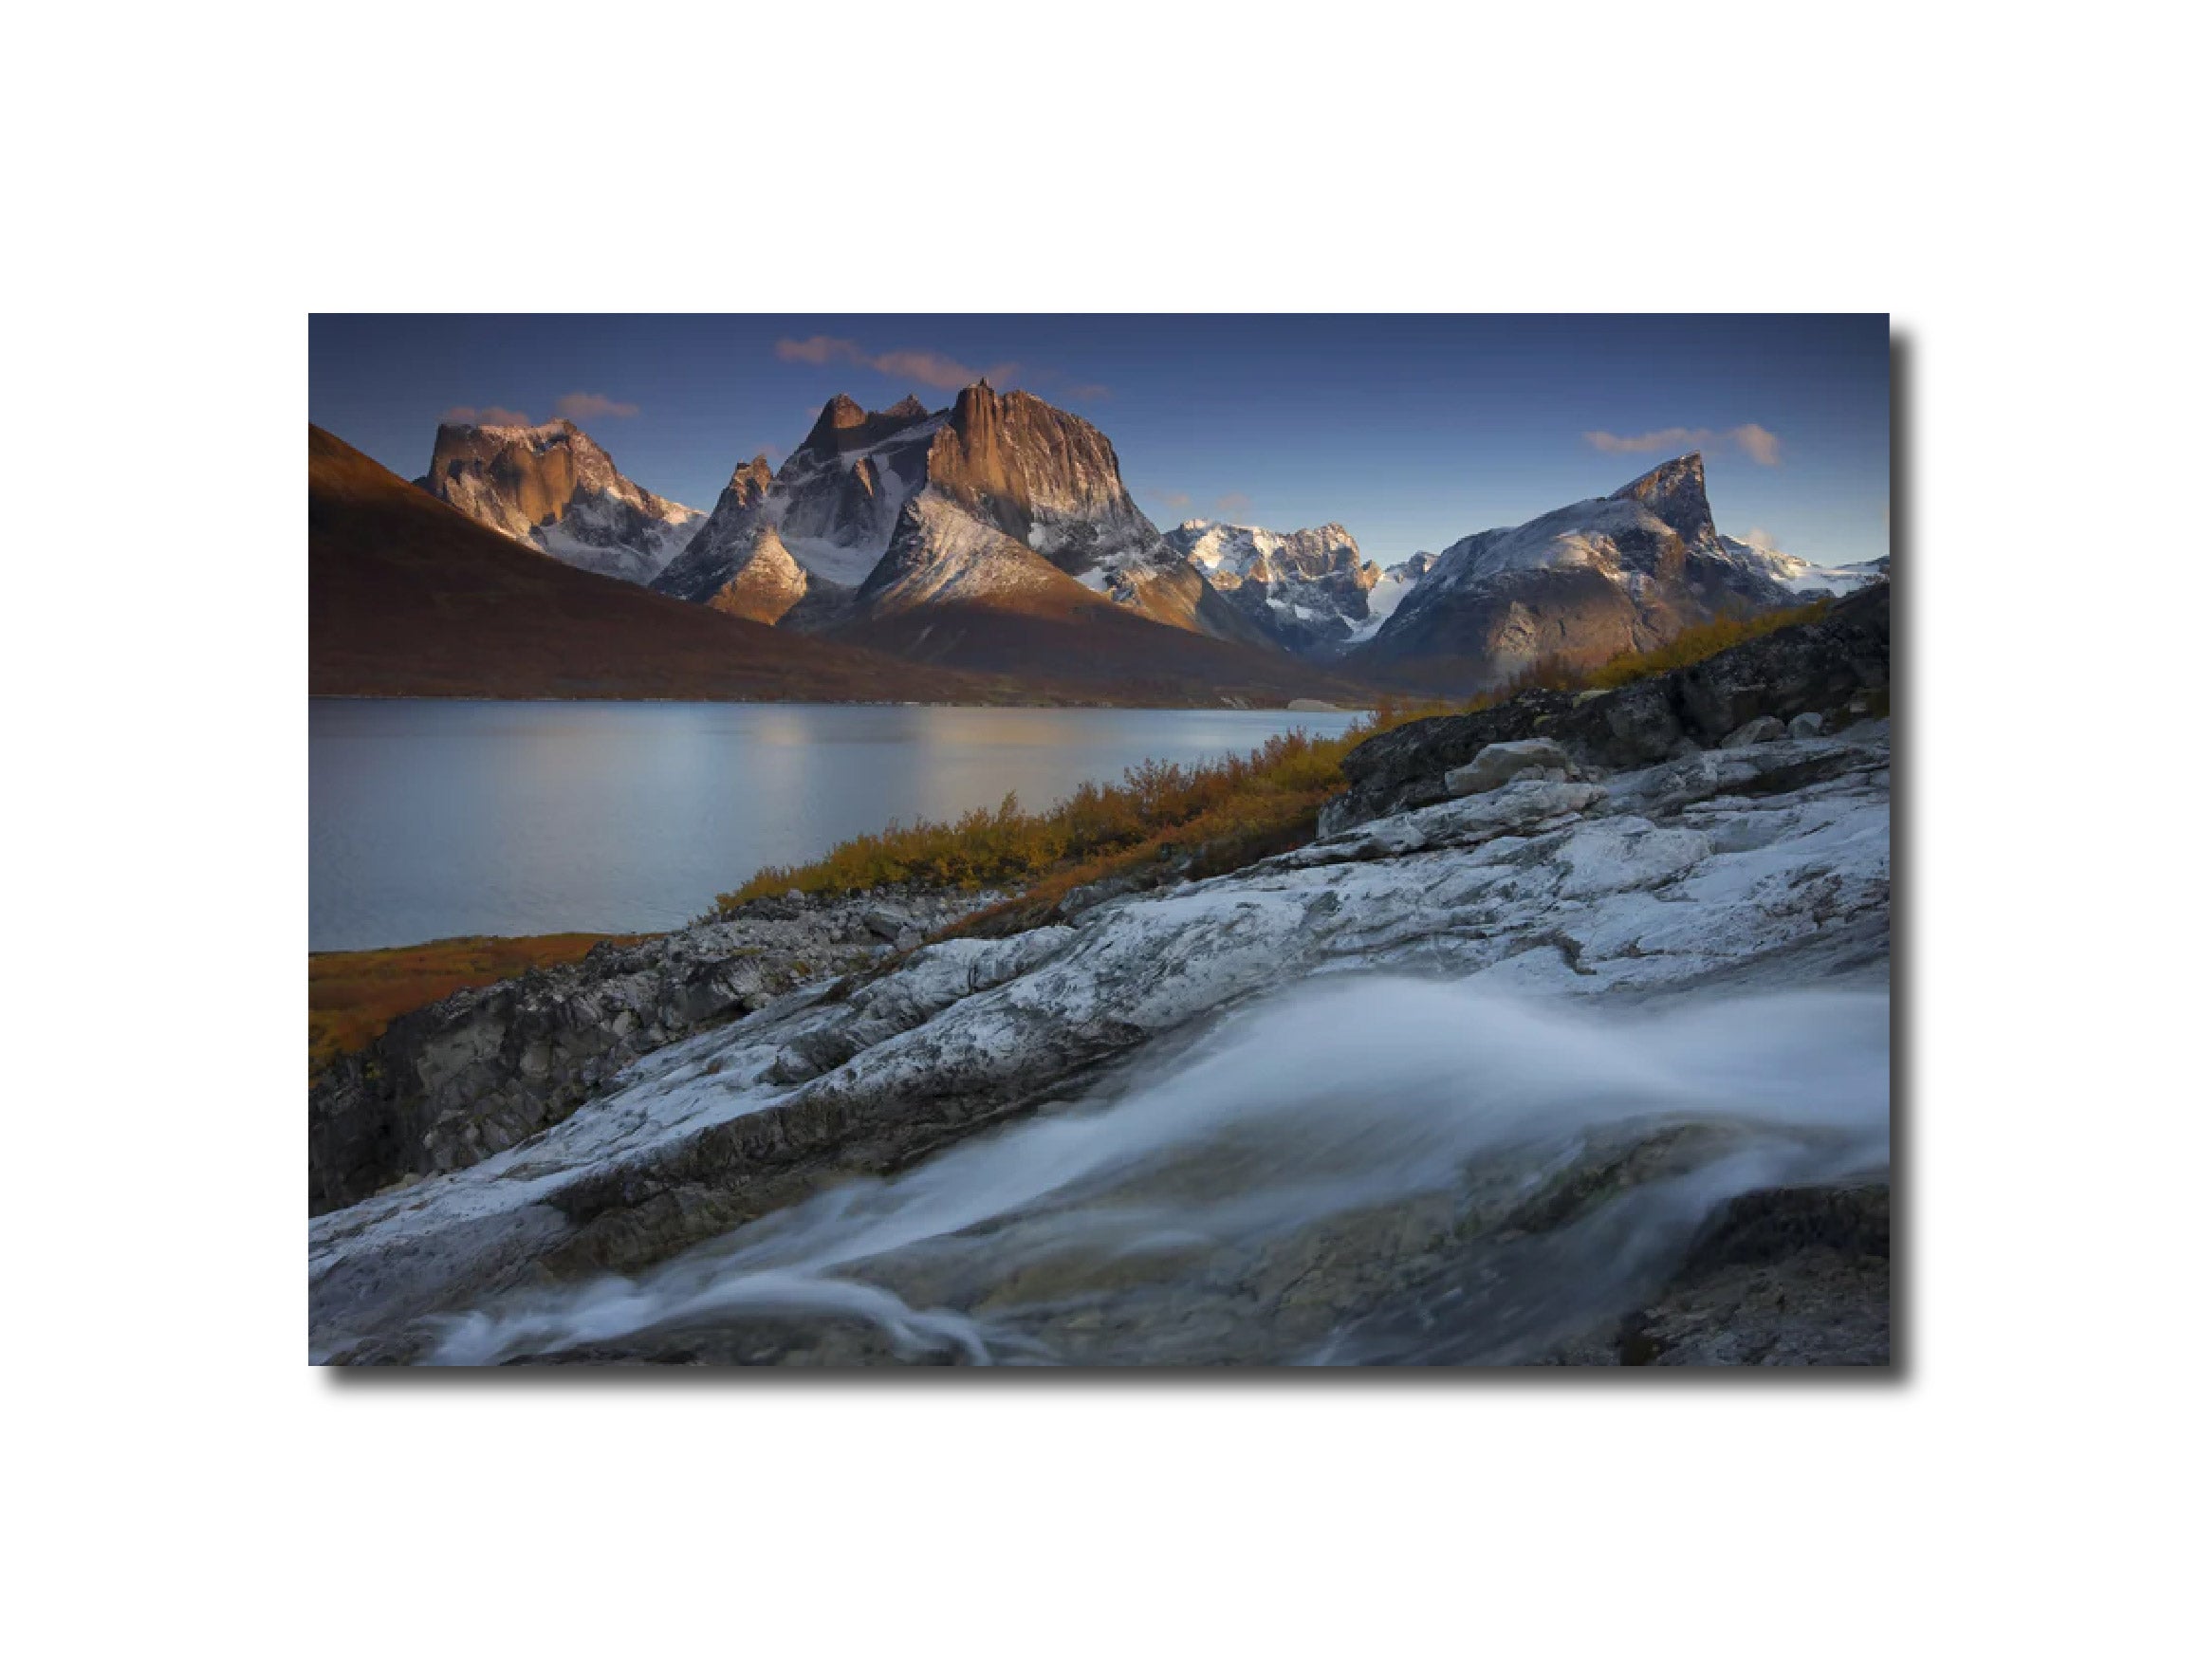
410	597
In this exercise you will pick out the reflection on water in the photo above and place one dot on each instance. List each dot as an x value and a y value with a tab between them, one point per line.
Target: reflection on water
434	817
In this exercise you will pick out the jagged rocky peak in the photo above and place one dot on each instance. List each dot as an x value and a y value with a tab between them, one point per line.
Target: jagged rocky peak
556	489
1046	480
749	484
1046	477
845	426
1676	494
1050	480
766	585
1311	588
510	477
1235	554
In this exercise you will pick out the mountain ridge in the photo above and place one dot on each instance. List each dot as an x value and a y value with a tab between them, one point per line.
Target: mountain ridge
557	489
1584	582
1316	588
409	596
1047	479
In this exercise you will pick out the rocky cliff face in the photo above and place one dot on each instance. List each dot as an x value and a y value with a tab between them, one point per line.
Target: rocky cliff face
1051	480
1311	588
1582	584
1048	479
555	488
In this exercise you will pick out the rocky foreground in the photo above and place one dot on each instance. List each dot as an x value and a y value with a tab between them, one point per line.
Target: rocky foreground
1565	1043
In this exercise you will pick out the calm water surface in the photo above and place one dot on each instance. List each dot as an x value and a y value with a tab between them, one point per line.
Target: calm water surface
435	817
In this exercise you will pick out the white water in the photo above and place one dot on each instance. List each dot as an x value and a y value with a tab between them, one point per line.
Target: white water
1172	1197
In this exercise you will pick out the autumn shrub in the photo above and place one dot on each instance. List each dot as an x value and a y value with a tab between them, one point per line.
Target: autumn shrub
1101	825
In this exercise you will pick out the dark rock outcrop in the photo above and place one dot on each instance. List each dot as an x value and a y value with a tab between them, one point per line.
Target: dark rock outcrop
1792	1275
846	427
455	1082
1839	666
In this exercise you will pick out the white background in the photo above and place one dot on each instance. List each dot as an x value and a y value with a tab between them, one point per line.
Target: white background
186	184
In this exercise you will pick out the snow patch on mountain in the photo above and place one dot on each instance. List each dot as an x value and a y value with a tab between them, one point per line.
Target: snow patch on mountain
1319	592
1803	576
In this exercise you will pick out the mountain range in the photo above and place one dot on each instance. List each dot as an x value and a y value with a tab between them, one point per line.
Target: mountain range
991	543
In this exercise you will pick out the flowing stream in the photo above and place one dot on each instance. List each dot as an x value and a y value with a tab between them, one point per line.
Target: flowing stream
1361	1171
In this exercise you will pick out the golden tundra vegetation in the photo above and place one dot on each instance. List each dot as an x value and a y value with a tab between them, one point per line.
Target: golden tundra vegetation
1224	813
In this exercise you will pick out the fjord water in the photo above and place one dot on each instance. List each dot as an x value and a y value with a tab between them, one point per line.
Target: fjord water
432	818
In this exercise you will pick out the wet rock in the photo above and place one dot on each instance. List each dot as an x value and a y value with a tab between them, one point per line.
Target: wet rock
1807	726
1793	1274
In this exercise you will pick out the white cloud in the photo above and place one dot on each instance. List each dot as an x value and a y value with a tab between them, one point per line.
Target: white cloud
593	405
1759	443
1644	443
924	367
485	416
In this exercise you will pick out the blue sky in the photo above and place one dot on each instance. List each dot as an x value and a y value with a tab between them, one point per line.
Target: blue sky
1410	431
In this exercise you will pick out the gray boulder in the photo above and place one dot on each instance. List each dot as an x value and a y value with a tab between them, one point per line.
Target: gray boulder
1755	733
1506	761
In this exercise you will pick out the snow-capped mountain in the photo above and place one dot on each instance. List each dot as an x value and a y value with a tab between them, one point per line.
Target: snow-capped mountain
1318	593
1389	592
829	510
1584	583
555	488
1045	479
943	555
1804	578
